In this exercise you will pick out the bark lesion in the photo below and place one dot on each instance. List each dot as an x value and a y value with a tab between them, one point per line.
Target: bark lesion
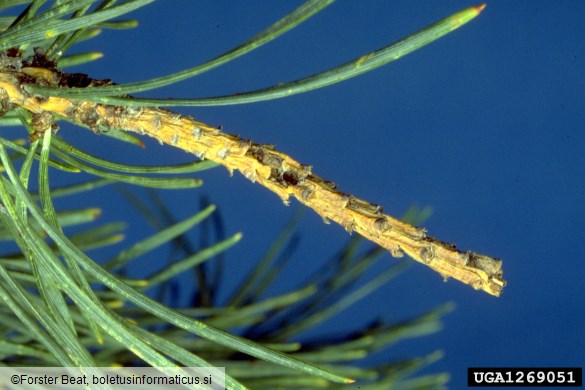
259	163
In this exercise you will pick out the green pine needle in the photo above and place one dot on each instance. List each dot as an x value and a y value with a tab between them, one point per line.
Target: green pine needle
60	307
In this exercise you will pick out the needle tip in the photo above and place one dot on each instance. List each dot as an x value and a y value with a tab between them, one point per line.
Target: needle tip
480	7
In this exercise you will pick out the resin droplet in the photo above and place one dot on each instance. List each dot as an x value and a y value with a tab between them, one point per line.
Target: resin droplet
222	153
197	133
380	223
306	194
426	254
156	122
249	174
396	252
349	227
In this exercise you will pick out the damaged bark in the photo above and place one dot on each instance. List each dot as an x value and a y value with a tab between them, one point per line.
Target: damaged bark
259	163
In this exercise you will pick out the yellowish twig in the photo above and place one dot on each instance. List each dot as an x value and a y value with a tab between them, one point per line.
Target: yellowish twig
274	170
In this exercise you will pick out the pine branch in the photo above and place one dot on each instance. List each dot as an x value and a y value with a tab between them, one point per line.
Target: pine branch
259	163
34	92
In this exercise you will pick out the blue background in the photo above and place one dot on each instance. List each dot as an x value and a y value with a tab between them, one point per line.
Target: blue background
485	125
